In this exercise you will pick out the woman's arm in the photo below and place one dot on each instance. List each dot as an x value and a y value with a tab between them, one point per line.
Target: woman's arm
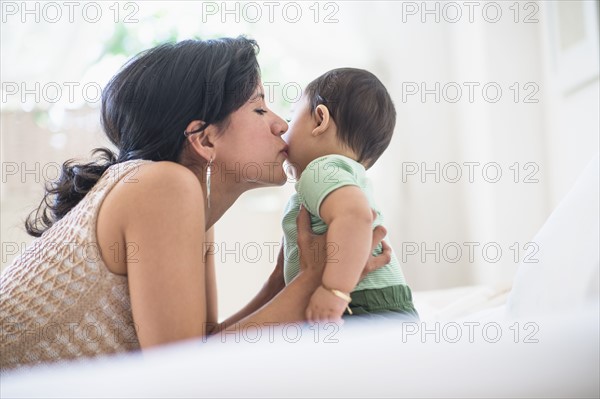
274	284
290	303
167	281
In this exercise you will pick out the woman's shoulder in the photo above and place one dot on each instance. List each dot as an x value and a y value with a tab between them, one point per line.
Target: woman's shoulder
162	184
155	196
164	169
162	176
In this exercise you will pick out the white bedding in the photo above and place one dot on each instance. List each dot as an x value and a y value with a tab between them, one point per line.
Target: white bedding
555	357
453	303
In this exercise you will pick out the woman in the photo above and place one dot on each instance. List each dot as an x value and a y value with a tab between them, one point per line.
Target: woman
122	258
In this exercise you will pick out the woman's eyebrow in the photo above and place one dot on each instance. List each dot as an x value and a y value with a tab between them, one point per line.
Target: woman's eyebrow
259	94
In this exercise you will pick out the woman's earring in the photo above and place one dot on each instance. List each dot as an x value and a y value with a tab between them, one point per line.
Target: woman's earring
208	173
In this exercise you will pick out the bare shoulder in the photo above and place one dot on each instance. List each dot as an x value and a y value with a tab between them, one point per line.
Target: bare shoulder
158	183
159	195
162	176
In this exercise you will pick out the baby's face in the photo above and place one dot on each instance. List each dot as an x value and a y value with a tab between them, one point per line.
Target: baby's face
299	138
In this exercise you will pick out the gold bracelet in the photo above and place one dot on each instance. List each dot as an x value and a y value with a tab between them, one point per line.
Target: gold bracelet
338	293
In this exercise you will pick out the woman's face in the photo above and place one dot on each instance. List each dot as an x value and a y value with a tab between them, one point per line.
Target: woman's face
251	149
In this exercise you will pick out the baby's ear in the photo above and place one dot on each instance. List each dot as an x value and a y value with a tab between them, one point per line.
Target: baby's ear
322	120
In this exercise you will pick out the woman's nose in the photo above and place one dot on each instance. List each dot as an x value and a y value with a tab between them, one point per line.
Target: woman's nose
280	126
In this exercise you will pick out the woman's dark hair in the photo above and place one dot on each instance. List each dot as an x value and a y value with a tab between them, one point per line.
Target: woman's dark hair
147	106
361	107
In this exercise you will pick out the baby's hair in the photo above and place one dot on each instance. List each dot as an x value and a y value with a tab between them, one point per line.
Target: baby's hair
361	108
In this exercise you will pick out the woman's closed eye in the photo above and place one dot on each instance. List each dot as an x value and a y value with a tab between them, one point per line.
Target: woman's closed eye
260	111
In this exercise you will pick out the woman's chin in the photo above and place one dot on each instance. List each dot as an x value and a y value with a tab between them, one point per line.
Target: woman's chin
276	178
281	180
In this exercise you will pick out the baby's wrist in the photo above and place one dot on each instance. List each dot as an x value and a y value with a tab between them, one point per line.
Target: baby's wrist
345	296
340	295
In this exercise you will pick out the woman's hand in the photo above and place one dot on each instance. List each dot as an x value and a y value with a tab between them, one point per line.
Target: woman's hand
313	253
376	262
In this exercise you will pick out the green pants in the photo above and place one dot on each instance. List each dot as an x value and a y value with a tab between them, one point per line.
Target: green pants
390	301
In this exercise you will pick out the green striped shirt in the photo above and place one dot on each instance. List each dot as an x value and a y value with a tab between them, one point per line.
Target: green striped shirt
321	177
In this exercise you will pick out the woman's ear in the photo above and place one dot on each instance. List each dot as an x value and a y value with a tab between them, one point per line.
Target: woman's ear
323	119
201	142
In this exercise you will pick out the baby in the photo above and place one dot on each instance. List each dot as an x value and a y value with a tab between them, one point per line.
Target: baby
344	122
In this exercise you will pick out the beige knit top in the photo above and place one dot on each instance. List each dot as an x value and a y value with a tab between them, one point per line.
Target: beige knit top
58	300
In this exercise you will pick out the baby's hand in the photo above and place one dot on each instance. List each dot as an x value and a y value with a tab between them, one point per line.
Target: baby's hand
324	305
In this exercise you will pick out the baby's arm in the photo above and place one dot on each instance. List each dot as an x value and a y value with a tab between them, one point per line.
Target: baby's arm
348	216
